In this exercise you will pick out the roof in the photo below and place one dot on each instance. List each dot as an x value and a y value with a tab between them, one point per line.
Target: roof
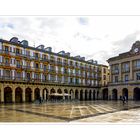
45	51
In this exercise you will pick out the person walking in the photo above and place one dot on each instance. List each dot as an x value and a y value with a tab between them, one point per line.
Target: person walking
123	99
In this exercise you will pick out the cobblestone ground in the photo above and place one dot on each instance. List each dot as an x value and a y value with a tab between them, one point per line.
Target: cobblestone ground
89	111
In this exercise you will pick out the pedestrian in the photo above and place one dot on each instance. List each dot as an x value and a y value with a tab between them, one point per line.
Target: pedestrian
122	98
40	100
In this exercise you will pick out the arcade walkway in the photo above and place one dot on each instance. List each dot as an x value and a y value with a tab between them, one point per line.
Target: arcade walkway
88	111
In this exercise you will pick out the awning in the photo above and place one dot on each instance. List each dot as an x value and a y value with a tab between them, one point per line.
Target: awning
58	94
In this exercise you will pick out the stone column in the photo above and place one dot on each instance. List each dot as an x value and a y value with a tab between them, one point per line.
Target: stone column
110	78
63	96
44	95
13	95
23	95
33	95
83	96
2	94
131	71
130	93
41	93
109	93
120	73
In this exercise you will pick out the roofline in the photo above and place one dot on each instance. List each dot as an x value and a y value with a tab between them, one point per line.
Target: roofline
45	51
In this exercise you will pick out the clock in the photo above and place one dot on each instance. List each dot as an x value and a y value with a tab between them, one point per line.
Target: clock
136	50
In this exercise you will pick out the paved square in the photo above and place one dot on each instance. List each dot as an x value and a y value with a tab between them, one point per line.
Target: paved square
88	111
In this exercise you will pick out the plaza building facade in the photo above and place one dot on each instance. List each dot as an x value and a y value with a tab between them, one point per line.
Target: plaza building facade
28	73
125	74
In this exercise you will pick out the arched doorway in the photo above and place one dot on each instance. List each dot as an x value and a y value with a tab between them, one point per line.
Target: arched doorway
37	94
7	95
86	95
45	91
125	93
90	96
18	95
114	94
28	95
97	97
136	94
81	95
94	92
105	94
66	94
52	91
76	94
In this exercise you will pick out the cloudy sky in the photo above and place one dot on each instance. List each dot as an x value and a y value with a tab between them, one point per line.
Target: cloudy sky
95	37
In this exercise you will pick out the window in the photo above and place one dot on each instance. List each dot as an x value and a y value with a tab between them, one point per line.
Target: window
45	77
65	71
138	76
71	80
45	67
104	70
18	75
6	48
27	53
76	81
45	57
37	76
116	69
36	55
126	78
6	60
71	63
36	65
18	63
7	74
116	78
126	67
104	77
137	63
59	78
17	51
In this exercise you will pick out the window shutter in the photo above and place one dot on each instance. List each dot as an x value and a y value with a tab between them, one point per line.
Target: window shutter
11	60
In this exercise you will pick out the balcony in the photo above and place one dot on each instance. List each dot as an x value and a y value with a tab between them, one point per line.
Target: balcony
39	80
65	64
44	60
18	66
115	71
52	71
126	70
136	68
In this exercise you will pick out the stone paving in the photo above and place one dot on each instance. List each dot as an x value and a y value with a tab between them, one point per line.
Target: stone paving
89	111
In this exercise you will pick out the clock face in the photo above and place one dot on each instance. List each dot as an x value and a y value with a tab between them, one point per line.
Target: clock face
136	50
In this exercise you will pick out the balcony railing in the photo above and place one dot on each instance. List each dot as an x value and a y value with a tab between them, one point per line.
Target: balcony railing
38	80
126	70
136	68
115	71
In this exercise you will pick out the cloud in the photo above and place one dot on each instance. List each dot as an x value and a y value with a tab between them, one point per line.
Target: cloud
83	20
97	38
85	37
125	44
